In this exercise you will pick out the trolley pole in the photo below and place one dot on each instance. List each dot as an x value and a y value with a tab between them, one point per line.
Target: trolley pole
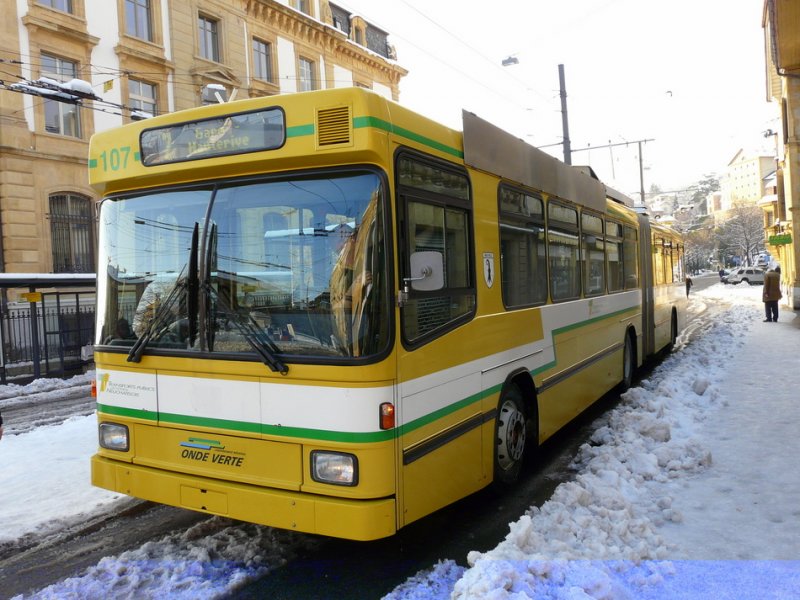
564	117
641	176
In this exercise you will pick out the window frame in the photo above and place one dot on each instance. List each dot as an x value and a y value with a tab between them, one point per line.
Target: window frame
139	8
630	241
521	221
313	68
585	260
268	59
62	110
303	6
565	229
203	39
406	195
75	230
615	239
70	7
134	98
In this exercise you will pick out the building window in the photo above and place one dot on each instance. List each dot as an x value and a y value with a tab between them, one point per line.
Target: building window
71	229
208	30
142	97
60	117
306	75
262	60
62	5
302	5
138	19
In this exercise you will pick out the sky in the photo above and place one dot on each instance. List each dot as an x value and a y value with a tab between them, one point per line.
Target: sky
686	74
686	490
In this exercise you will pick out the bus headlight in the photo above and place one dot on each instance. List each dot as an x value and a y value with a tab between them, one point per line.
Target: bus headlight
114	436
337	468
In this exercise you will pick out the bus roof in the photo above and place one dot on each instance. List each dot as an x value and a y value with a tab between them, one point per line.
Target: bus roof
490	149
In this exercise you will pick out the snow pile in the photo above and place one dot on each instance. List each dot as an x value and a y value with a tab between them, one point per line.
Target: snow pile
204	561
624	492
53	463
602	535
11	393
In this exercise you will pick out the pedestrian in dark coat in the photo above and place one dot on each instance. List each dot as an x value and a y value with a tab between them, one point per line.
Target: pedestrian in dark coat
1	426
772	294
689	285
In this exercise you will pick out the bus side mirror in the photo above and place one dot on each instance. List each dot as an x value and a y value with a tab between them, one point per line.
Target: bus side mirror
427	274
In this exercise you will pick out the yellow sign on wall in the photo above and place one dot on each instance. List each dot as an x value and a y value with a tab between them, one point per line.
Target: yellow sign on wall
32	296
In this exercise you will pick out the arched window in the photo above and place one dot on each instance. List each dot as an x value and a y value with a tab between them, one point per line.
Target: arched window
72	232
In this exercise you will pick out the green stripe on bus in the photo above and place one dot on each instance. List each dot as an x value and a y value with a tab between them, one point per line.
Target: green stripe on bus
442	412
300	130
343	436
248	427
359	122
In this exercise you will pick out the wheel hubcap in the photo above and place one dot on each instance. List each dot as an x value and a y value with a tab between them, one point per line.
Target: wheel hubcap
510	435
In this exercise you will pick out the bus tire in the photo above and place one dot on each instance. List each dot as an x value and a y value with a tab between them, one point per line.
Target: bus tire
510	436
673	332
628	364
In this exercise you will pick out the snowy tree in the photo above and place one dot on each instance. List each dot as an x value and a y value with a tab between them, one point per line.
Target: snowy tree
743	233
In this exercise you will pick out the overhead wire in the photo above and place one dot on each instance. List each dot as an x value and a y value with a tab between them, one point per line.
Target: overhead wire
187	79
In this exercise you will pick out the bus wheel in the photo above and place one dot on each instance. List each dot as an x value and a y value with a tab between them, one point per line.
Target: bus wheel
510	437
673	332
627	364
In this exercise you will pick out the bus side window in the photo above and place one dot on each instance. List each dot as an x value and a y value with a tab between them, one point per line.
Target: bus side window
437	219
564	252
523	264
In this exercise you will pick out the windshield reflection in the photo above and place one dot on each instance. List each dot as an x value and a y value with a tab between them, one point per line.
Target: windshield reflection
292	267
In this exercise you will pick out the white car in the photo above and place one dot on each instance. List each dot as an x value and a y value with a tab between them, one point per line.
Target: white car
750	275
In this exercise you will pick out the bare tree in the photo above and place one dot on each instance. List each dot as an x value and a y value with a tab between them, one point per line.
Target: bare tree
743	232
699	248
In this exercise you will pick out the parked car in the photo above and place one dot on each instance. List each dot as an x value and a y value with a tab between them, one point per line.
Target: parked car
725	272
750	275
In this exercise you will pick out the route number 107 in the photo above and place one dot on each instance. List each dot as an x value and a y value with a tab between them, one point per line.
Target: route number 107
115	159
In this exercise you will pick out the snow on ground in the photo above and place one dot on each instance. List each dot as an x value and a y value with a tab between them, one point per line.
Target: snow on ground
12	393
686	490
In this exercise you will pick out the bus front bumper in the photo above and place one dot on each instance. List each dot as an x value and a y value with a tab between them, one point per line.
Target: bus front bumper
336	517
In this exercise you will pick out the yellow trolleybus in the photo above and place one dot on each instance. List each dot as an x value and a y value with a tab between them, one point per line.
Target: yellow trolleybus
326	313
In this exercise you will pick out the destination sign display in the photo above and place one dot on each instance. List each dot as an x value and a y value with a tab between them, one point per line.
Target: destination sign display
219	136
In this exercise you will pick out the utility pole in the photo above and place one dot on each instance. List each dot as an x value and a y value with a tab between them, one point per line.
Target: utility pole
564	117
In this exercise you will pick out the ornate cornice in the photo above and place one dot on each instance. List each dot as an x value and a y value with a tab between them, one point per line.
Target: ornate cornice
75	29
296	25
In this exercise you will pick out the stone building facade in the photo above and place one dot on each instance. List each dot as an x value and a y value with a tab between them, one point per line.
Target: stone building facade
146	57
781	19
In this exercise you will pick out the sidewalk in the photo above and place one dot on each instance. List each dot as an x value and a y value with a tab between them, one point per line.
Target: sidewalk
747	502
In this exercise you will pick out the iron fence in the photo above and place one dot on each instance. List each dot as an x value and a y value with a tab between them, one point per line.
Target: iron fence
47	338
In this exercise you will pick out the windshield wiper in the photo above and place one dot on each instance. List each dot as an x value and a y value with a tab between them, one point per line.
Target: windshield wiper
183	282
253	334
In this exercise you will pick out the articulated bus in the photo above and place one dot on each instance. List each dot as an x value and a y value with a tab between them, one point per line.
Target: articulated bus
326	313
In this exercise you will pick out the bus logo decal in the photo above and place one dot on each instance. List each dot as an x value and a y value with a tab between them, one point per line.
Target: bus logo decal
202	444
210	451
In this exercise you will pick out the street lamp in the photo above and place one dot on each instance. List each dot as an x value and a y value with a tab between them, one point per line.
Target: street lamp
513	60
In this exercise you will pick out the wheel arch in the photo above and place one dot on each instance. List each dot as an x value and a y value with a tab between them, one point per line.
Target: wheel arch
523	380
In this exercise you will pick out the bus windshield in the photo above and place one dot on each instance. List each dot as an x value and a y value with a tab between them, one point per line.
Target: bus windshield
276	267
